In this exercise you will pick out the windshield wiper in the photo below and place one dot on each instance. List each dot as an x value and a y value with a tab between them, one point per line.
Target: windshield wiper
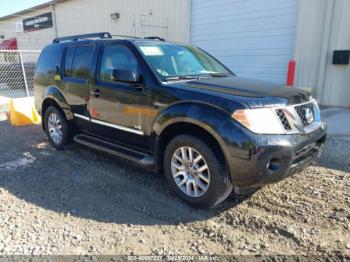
195	77
178	78
218	74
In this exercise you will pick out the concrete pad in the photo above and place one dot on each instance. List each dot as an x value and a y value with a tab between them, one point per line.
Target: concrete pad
338	120
4	100
4	106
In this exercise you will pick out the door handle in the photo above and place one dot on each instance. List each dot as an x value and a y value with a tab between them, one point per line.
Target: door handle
96	93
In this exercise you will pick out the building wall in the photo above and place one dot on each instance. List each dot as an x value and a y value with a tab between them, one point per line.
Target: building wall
31	40
323	26
337	77
164	18
254	38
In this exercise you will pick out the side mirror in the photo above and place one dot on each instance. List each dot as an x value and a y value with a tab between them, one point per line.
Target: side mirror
124	76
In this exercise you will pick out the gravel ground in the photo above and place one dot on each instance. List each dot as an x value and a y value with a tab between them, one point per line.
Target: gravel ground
82	202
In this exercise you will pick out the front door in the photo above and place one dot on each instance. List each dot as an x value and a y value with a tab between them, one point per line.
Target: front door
116	107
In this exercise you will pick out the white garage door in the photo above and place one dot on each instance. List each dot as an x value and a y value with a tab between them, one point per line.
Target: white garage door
254	38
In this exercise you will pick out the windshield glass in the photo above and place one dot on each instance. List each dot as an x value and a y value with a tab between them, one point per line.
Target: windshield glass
172	60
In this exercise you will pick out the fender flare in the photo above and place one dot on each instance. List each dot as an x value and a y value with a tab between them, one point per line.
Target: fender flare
55	94
195	113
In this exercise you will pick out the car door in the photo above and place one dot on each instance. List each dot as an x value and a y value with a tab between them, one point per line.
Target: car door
117	107
77	78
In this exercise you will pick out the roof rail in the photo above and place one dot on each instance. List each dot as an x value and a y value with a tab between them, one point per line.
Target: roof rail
127	36
102	35
155	38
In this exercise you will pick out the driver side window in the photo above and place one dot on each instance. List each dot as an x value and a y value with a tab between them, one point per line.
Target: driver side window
117	57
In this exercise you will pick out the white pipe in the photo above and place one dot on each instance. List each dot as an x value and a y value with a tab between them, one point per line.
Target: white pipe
53	10
24	73
189	20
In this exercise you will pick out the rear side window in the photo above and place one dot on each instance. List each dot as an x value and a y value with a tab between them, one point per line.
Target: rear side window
82	62
49	59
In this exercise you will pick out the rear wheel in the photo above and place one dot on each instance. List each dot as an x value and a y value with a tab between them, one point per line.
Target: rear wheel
195	172
57	128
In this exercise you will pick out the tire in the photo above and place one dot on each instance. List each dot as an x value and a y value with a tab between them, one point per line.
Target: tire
61	124
212	190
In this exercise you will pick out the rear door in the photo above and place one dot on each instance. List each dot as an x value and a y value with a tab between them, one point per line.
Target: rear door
77	79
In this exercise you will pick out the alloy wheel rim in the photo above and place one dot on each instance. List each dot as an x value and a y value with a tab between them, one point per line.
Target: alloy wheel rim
55	128
190	171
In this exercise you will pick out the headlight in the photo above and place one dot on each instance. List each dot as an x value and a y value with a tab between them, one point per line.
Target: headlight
260	120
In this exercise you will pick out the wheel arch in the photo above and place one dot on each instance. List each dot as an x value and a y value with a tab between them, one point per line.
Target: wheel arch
189	119
54	97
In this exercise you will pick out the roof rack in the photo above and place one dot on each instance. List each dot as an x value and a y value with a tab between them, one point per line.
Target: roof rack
102	35
155	38
127	36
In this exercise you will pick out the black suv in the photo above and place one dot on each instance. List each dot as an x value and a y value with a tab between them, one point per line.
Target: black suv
177	109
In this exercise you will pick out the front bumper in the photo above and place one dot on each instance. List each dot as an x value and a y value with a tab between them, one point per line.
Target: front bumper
257	160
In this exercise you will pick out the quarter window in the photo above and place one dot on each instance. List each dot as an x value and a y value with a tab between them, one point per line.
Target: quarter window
68	61
49	59
117	57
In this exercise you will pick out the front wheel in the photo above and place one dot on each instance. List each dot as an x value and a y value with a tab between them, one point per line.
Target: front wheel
57	129
195	173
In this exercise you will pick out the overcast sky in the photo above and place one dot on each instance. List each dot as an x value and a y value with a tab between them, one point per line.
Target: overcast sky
12	6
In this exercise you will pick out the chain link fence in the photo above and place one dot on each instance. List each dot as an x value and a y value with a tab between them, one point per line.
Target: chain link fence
17	69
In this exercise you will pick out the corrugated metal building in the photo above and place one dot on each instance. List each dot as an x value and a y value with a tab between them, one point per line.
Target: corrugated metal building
254	38
324	27
257	38
119	17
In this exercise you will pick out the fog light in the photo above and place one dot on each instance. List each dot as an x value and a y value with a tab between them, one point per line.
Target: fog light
273	165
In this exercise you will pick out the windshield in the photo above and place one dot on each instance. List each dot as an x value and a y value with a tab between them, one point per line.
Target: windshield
173	62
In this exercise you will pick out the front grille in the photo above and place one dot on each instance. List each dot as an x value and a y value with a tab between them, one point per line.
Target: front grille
283	119
301	118
301	112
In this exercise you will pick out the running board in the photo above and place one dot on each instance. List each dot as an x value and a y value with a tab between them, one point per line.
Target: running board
114	149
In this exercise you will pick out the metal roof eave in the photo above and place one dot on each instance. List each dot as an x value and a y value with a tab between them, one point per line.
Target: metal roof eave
34	8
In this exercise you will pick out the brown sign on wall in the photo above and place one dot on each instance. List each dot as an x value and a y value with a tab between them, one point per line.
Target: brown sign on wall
38	22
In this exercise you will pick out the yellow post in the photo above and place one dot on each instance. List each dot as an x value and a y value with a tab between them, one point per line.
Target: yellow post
22	112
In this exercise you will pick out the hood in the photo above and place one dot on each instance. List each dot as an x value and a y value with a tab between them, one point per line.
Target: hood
249	88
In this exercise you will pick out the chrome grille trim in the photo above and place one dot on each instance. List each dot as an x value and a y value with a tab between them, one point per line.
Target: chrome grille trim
282	116
301	112
293	119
